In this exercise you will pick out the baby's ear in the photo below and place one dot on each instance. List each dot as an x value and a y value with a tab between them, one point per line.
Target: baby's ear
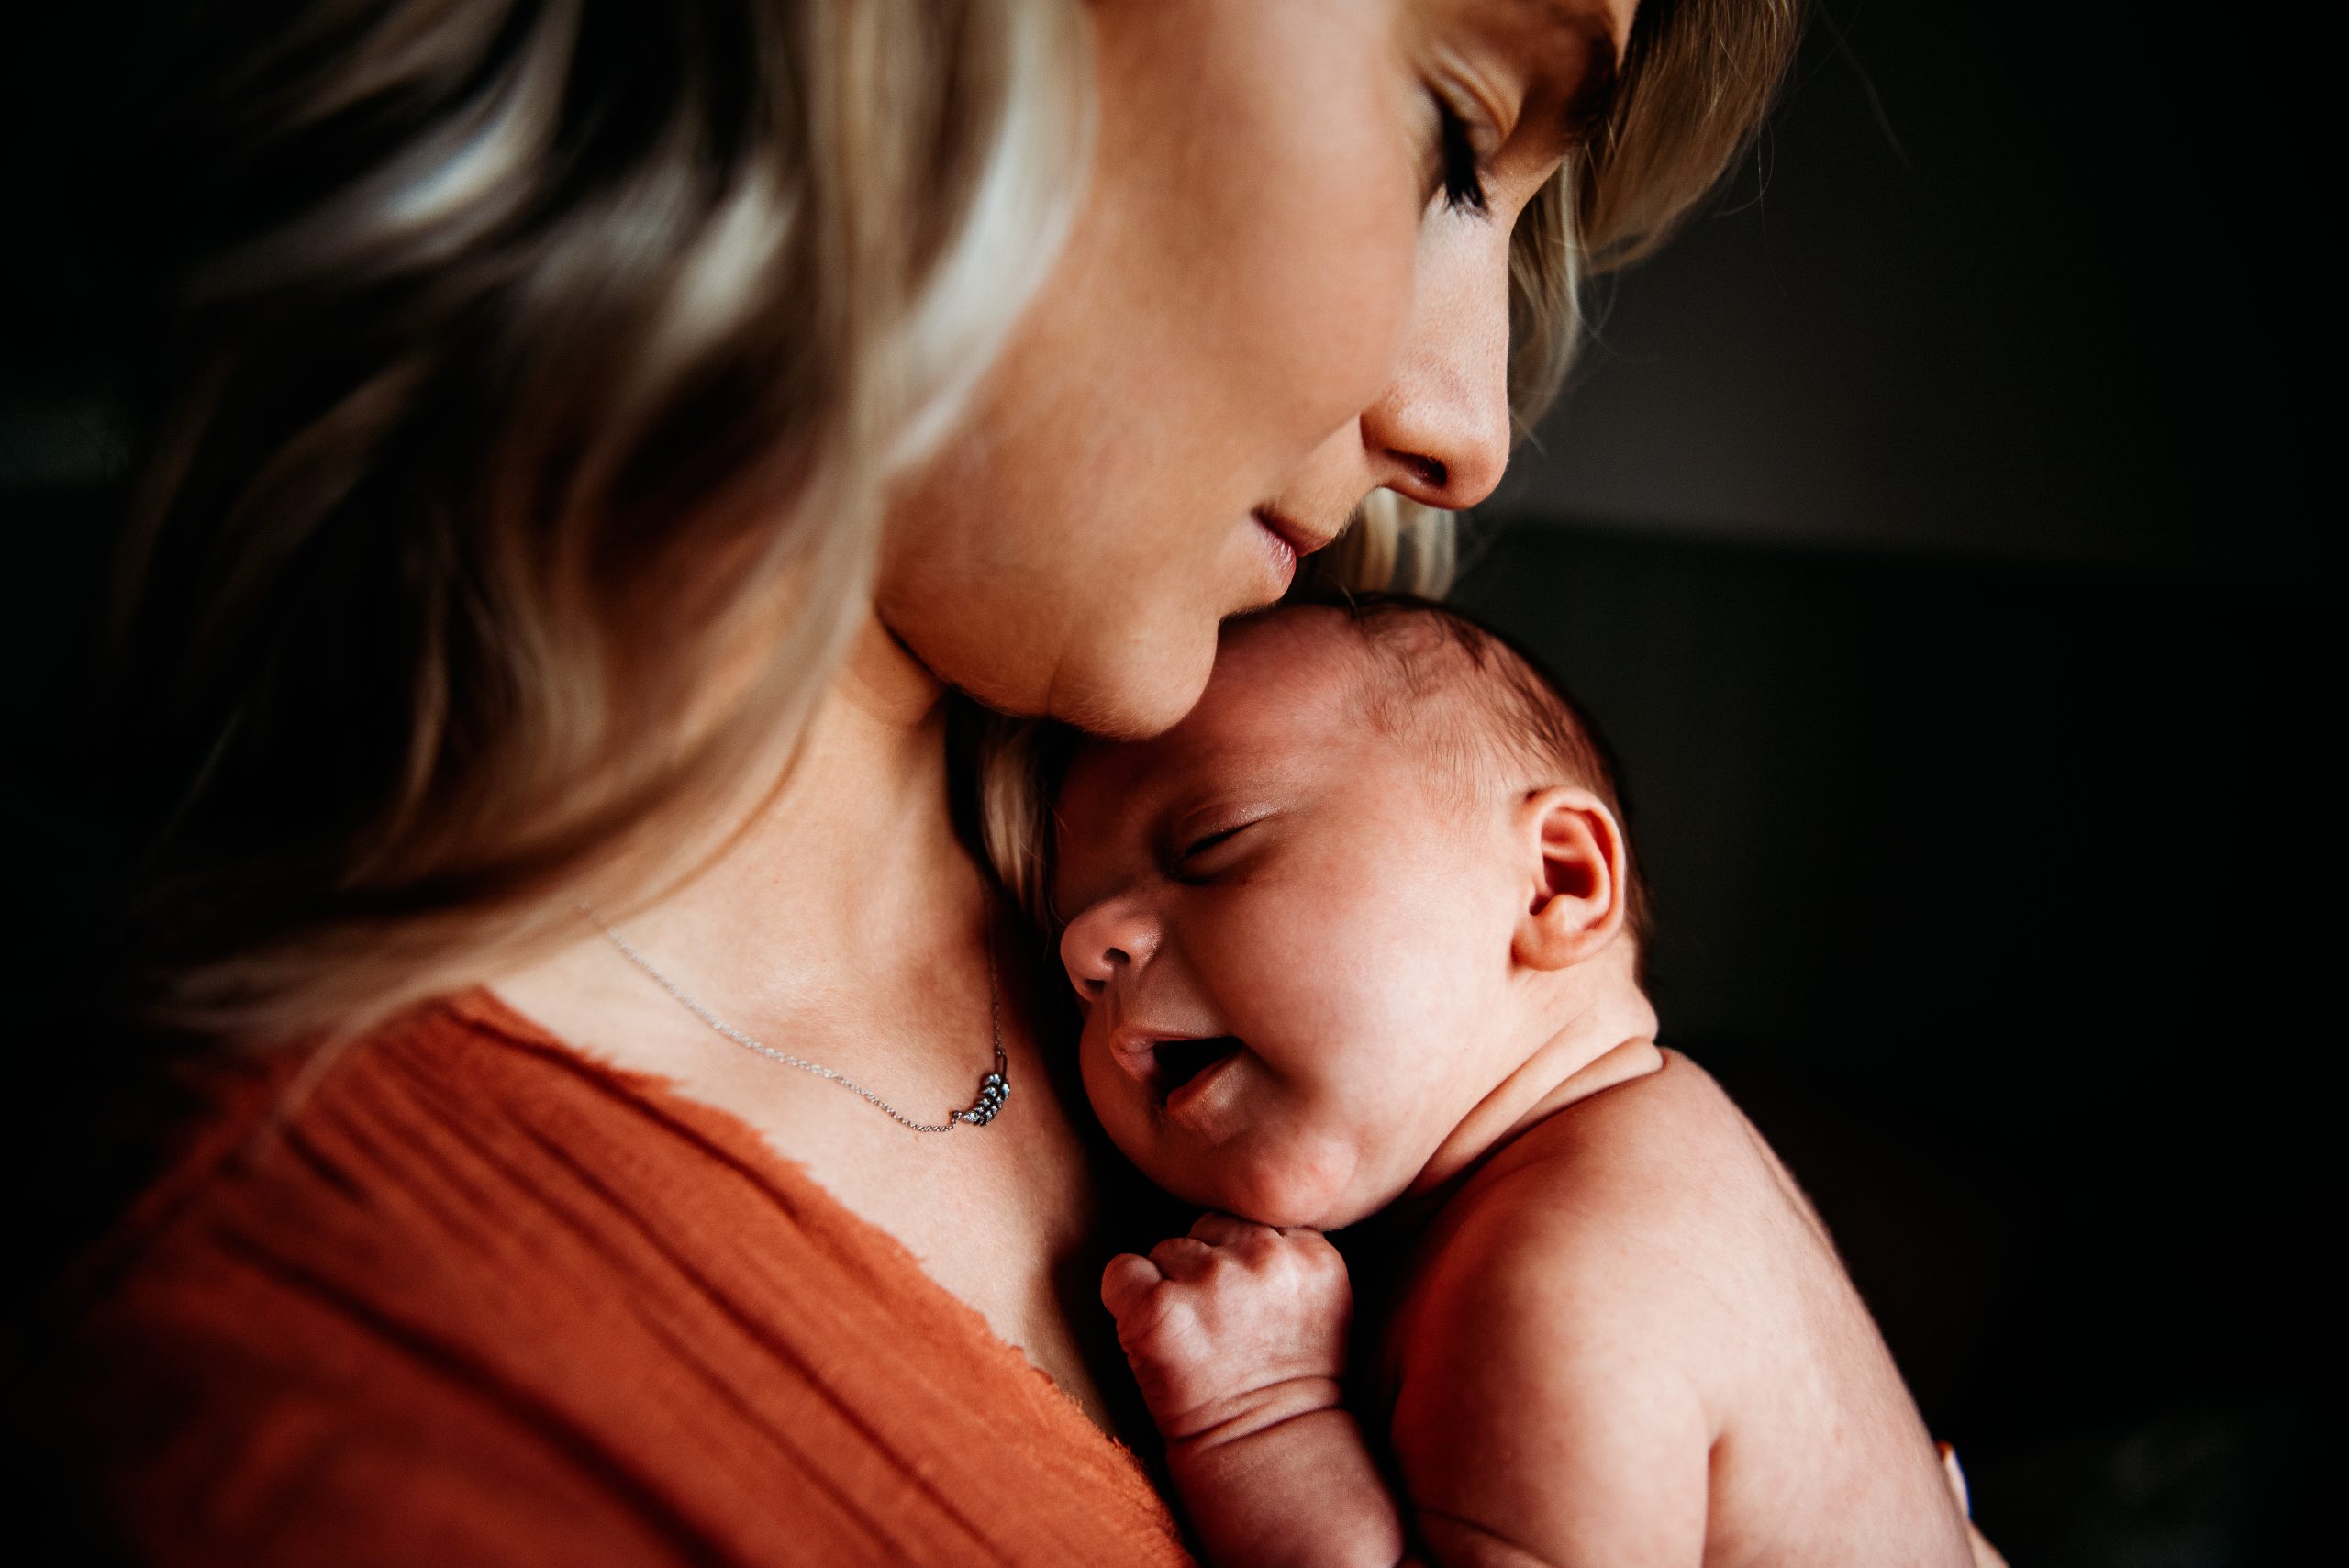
1576	883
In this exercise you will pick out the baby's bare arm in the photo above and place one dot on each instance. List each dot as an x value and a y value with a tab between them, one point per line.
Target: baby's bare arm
1529	1435
1237	1334
1631	1343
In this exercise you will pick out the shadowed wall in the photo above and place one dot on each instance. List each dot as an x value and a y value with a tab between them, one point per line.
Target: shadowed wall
1932	530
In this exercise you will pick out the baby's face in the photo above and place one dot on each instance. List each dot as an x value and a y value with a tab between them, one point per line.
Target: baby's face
1292	944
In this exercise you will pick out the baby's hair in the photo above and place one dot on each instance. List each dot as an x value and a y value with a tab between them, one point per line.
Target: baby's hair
1512	711
1517	726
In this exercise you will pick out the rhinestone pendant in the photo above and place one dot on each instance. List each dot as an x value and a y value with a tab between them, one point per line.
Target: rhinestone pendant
992	1089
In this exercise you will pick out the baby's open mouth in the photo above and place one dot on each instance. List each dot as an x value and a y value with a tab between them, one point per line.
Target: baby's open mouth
1174	1063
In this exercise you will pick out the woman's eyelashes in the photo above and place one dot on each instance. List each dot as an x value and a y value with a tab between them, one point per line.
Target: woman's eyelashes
1456	165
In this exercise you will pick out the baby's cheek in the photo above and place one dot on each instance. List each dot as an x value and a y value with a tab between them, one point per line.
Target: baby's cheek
1121	1106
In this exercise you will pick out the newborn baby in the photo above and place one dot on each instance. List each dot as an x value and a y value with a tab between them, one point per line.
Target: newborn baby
1361	931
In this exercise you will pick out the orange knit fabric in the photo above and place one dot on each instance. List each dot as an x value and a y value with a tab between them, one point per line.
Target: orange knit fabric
478	1299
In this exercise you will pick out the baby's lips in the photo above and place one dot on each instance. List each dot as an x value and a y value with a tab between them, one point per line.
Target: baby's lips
1134	1045
1162	1062
1139	1054
1135	1052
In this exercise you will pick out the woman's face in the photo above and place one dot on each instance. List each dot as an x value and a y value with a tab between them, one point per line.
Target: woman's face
1286	287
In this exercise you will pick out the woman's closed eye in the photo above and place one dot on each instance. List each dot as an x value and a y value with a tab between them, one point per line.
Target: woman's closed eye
1457	166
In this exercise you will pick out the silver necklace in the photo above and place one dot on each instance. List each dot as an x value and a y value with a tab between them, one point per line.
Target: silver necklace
982	1110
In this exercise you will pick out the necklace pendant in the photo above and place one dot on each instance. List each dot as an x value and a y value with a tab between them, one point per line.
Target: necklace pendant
992	1090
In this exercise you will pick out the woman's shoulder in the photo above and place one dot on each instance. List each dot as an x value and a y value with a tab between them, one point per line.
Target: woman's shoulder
459	1282
420	1156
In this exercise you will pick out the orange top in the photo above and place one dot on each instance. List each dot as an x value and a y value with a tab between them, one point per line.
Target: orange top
482	1300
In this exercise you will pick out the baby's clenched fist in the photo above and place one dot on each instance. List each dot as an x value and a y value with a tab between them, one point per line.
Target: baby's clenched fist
1233	1327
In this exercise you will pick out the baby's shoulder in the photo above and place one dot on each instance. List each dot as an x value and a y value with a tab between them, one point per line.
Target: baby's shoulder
1663	1156
1650	1201
1568	1302
1635	1292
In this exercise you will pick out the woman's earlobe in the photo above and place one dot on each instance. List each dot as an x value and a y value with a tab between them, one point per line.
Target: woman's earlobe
1576	901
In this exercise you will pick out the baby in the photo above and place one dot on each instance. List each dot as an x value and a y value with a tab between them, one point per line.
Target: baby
1361	934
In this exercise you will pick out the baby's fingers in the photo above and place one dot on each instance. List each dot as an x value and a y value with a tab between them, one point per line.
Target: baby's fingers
1221	1230
1127	1283
1182	1258
1985	1554
1953	1475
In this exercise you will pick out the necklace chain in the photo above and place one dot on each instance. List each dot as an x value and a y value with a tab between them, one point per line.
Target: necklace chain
993	1088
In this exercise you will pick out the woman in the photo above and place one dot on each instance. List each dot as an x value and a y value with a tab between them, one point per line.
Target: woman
602	436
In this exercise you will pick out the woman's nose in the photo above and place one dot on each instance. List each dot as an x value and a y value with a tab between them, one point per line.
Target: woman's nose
1117	934
1440	431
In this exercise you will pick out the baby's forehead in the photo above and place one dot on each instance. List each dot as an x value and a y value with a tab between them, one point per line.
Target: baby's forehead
1279	681
1283	687
1308	664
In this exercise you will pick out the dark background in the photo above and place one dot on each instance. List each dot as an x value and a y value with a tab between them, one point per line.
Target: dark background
1933	531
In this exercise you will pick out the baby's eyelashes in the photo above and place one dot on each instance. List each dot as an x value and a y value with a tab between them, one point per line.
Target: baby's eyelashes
1205	842
1205	855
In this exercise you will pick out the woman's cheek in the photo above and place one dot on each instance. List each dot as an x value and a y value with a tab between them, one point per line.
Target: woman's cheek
1322	331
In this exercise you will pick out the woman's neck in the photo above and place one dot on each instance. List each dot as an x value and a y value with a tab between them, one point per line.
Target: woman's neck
847	925
852	864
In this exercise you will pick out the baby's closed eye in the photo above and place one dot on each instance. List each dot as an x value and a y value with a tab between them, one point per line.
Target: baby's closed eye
1205	846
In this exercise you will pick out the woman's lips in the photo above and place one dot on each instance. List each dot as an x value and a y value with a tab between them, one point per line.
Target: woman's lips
1287	541
1280	554
1301	540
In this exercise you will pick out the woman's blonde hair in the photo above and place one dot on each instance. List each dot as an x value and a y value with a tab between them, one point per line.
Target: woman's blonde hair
1690	94
538	371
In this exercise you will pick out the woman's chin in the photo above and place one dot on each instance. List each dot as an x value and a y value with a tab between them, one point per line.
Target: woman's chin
1141	688
1123	675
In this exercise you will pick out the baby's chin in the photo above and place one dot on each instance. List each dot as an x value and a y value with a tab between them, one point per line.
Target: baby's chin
1314	1181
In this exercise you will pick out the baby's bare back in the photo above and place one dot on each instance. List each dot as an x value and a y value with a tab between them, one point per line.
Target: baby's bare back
1629	1340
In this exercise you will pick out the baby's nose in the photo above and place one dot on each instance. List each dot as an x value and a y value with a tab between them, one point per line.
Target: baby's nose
1115	934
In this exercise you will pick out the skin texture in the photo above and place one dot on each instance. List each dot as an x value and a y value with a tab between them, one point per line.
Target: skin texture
1268	314
1265	299
1623	1337
1264	871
